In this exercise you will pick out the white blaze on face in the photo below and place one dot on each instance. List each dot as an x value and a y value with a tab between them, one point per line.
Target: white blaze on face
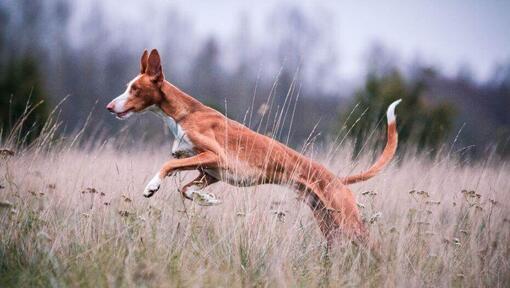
120	102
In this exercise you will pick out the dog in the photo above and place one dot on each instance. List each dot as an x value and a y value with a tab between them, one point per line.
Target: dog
222	149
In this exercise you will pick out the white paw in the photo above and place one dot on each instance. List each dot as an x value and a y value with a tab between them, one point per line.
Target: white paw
152	187
205	199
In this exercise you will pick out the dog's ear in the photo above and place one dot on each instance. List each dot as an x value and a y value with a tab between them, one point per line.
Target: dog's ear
143	61
154	69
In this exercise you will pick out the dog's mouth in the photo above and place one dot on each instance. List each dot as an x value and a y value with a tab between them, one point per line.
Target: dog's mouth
124	114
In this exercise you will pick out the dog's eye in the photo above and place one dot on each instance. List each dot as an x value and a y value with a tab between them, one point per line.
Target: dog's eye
134	88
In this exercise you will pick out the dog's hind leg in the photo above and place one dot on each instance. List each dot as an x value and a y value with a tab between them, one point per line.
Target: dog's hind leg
192	189
335	212
323	216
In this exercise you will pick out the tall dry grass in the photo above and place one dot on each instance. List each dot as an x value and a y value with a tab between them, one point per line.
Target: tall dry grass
73	214
77	217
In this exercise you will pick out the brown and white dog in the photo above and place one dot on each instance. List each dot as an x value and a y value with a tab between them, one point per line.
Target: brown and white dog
223	149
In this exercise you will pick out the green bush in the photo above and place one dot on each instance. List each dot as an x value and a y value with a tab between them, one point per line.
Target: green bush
419	121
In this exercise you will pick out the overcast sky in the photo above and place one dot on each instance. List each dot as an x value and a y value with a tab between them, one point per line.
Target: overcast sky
447	34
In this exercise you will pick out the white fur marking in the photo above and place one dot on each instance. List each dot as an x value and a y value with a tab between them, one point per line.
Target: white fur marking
182	144
153	186
390	113
120	101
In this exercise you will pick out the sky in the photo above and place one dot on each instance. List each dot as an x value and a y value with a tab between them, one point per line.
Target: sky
448	34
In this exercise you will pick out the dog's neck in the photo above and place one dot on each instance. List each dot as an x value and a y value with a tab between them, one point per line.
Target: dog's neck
174	107
177	104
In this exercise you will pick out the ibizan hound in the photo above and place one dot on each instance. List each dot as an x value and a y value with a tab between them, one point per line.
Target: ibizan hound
223	149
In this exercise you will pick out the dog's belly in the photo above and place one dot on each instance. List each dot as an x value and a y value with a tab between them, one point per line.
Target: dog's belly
235	178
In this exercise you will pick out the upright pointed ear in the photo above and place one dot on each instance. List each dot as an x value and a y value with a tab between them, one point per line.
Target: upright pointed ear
154	69
143	61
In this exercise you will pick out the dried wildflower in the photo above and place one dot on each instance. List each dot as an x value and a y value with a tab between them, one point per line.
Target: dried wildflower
107	203
280	215
52	186
393	230
433	202
456	242
5	204
369	193
478	207
464	232
102	194
360	205
412	191
124	213
86	215
89	190
470	193
126	199
32	192
493	202
6	152
374	217
240	214
424	194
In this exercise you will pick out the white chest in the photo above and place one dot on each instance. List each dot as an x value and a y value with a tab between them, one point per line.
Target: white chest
182	146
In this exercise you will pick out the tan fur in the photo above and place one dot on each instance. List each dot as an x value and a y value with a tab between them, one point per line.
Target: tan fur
227	150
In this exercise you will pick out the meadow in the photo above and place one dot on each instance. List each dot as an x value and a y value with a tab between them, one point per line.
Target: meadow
75	216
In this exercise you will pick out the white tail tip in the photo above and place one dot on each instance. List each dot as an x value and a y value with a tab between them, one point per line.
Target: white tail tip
390	113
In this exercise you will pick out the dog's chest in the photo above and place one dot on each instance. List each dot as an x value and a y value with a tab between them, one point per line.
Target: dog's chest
182	146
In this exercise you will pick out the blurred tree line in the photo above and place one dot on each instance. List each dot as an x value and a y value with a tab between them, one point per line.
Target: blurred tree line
284	84
22	93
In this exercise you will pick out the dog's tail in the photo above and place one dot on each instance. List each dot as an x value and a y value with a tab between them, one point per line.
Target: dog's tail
388	152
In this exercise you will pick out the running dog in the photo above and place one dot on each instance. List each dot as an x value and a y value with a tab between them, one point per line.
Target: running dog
223	149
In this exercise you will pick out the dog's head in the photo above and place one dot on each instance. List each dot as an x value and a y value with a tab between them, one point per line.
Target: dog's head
143	91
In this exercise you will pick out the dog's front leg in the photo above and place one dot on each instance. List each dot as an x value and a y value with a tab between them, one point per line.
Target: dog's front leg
205	160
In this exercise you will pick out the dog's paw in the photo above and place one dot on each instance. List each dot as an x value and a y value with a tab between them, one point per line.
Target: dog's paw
152	187
205	199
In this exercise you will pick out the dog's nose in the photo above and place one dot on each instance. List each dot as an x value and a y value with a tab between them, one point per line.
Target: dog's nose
110	106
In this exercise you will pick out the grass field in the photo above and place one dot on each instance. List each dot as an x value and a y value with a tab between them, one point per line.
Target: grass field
76	217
